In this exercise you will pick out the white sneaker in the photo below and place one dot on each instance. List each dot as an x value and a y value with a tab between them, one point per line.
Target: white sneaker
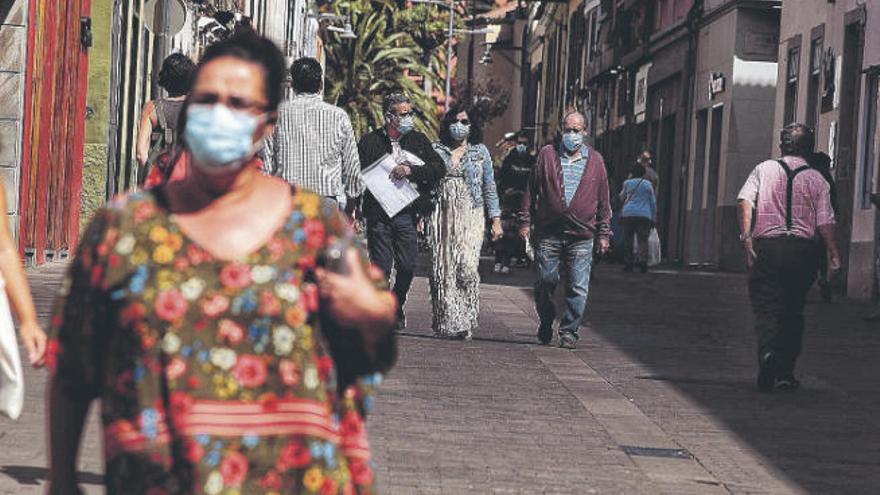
505	269
497	268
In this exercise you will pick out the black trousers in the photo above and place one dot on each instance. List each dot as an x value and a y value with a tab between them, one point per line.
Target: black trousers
784	271
635	227
393	242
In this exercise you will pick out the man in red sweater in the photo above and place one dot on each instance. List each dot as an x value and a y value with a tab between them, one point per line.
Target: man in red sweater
565	209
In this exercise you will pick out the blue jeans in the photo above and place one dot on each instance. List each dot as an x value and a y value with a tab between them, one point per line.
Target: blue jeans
576	255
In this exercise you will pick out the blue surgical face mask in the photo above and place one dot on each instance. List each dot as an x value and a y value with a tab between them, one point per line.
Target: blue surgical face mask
459	131
220	139
521	148
405	124
572	141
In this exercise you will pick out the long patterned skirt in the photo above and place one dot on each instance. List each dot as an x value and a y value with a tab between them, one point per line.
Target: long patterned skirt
456	235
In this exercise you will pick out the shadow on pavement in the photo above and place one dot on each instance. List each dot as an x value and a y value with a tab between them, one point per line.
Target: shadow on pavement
34	476
475	339
694	332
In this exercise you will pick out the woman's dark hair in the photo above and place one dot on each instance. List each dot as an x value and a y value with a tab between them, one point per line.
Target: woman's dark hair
306	75
637	170
820	161
176	75
476	135
251	47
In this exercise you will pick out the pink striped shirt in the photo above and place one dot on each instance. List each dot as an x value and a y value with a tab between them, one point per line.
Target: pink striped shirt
765	189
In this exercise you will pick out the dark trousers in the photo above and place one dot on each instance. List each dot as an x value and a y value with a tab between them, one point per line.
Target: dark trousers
635	227
394	242
784	271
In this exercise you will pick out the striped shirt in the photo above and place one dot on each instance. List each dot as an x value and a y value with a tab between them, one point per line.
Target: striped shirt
766	190
314	148
572	171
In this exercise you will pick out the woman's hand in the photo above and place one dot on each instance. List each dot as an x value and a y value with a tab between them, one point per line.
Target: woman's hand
497	231
34	339
353	301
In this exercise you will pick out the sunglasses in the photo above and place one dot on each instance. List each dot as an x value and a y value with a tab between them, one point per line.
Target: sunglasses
572	130
464	121
402	115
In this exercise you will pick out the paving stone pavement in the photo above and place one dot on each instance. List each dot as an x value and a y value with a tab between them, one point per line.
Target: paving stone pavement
658	398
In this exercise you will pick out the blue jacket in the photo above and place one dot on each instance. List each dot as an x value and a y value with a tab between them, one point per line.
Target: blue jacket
638	199
478	173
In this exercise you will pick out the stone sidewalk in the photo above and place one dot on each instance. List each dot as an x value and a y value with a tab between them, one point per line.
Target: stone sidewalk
658	398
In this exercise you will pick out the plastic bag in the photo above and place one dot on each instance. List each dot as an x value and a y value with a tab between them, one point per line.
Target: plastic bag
654	254
11	377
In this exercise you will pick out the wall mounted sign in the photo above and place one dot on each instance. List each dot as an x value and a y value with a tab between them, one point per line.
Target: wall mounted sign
716	84
640	104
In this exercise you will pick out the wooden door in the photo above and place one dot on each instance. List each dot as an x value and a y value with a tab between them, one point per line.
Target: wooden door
53	129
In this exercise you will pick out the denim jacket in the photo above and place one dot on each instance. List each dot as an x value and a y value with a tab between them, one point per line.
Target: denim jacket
478	173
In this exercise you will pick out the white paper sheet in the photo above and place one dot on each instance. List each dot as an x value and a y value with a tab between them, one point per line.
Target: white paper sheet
392	195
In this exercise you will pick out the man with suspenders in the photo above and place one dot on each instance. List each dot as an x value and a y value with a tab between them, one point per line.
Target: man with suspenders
793	207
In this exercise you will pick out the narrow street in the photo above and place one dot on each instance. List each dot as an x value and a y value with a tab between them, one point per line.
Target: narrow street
658	398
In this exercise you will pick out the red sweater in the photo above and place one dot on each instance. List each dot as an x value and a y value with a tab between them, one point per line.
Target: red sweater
544	205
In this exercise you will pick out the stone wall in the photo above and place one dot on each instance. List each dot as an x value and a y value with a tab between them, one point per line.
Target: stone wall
95	149
13	43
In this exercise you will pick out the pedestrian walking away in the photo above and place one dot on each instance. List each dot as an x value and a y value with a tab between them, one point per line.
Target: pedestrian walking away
466	194
157	133
637	217
566	208
792	206
314	145
646	161
222	355
822	163
393	240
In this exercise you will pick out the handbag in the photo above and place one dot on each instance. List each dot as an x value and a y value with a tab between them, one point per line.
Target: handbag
654	254
11	376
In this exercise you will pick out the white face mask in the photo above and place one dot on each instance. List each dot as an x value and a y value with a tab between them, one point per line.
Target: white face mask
220	139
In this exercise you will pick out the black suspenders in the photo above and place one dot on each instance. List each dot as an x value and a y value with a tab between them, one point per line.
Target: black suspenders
791	174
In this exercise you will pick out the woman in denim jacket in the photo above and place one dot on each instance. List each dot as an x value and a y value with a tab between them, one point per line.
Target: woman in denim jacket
457	225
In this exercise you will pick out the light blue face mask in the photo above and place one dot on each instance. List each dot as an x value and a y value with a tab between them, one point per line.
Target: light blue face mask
221	140
572	141
406	124
459	131
521	148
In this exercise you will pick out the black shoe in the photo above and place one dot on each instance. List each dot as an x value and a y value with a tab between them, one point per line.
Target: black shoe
825	290
568	341
627	268
643	267
545	334
401	323
787	382
767	372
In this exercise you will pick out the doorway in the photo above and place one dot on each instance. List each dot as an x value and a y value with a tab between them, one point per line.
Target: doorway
845	161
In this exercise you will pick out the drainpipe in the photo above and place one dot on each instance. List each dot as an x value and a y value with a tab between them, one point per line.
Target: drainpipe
693	18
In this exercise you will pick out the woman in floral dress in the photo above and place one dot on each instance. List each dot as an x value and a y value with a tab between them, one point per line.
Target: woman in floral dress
457	225
226	361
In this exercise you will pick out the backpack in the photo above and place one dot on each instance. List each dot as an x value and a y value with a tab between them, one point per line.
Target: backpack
163	143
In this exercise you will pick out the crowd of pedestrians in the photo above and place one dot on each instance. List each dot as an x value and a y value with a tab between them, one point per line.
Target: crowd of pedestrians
231	325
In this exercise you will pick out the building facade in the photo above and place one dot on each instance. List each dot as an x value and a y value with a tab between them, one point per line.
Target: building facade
733	90
74	76
829	74
687	80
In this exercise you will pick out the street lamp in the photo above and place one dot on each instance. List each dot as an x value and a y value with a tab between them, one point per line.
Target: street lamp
450	33
346	31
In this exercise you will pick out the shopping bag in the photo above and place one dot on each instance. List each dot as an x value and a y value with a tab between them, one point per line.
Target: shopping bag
654	254
11	377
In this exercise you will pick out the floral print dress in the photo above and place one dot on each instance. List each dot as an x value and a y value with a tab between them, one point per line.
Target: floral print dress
214	376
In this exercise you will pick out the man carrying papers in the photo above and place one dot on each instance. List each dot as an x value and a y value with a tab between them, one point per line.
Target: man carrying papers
400	170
